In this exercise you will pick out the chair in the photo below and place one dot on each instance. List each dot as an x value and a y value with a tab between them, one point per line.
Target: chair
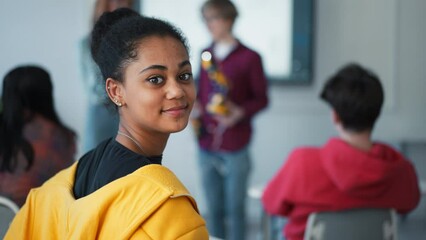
354	224
415	151
8	209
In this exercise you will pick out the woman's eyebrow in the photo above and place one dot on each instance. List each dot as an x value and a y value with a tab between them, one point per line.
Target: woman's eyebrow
160	67
184	63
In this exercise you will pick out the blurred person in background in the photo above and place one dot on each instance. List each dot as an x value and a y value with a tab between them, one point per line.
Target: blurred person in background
34	143
349	171
232	89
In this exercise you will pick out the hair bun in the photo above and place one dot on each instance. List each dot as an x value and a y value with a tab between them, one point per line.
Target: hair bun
105	22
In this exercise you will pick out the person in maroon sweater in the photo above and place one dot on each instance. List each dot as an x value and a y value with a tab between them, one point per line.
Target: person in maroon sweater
225	135
349	171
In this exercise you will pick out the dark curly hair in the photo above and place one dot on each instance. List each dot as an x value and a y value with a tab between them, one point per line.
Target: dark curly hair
117	35
356	95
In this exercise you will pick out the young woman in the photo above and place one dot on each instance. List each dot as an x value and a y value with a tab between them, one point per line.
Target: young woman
120	190
34	143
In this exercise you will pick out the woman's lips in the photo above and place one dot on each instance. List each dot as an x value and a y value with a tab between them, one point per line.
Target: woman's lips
176	111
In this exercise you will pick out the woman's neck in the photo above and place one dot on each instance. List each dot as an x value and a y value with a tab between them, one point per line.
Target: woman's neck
141	142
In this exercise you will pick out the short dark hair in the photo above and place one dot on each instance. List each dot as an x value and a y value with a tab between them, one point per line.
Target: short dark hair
117	35
226	8
356	95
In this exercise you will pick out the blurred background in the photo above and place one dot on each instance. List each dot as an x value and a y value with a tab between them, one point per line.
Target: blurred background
388	36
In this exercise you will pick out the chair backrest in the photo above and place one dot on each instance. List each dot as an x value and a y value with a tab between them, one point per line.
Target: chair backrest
365	224
8	209
415	151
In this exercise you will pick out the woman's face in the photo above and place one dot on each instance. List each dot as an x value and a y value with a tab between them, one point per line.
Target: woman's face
158	91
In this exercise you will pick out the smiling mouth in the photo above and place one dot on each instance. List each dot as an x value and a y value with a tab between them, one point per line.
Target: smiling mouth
178	108
176	112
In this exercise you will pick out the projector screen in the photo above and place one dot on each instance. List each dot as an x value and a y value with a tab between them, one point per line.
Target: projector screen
279	30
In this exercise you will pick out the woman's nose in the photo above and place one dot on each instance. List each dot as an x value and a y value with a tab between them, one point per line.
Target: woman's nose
174	90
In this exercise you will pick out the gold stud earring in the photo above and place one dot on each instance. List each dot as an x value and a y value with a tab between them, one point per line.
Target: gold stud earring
118	102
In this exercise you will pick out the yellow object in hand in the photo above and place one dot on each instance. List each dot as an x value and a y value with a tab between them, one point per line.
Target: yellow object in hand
217	105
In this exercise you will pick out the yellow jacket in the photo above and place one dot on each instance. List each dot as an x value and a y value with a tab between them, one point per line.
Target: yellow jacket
150	203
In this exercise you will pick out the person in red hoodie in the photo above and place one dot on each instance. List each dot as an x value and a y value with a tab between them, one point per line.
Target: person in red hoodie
349	171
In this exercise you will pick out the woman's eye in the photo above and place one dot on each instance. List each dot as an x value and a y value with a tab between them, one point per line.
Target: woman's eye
185	77
155	80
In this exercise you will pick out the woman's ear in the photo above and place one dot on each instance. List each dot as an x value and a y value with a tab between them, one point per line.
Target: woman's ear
114	90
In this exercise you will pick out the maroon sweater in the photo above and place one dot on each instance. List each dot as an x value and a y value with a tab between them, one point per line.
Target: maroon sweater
336	177
248	89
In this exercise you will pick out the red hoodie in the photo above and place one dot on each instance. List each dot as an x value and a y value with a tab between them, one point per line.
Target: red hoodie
339	176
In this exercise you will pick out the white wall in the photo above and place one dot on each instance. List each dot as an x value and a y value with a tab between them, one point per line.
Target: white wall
388	35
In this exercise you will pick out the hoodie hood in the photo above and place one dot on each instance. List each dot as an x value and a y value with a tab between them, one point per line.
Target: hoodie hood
116	211
361	173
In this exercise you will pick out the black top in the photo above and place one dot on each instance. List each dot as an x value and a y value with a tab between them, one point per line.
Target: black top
107	162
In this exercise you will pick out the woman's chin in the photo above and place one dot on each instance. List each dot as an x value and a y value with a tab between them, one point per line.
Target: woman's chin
179	126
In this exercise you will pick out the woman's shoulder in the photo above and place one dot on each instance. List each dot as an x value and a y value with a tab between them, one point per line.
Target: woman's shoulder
162	177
